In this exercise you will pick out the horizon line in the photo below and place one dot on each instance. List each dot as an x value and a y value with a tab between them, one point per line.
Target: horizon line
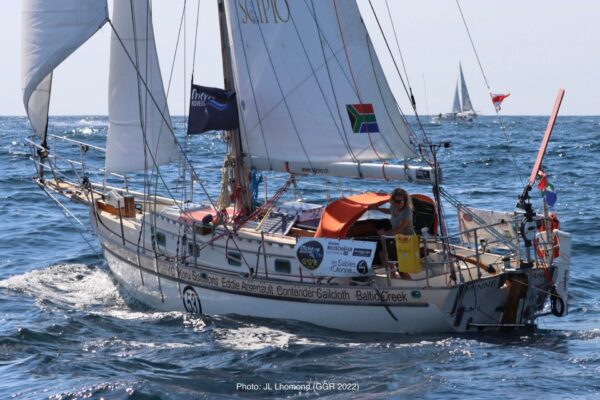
410	115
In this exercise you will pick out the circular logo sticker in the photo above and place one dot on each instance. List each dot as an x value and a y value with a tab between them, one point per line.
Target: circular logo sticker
362	267
310	254
191	302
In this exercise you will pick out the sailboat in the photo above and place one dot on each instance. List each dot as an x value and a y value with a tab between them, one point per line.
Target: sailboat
461	111
312	100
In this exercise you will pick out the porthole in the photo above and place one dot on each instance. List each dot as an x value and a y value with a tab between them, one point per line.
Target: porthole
234	258
283	266
161	239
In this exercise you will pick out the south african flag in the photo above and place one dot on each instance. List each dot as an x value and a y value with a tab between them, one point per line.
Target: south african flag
362	118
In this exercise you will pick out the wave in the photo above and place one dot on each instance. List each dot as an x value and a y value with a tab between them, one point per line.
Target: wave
67	286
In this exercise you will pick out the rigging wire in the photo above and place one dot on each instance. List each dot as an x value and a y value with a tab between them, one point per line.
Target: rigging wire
351	81
182	165
281	91
196	39
473	45
412	137
164	117
70	214
406	90
412	98
136	63
338	124
502	125
147	150
255	101
337	16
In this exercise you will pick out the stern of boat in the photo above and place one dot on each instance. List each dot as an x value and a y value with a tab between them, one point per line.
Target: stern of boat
513	299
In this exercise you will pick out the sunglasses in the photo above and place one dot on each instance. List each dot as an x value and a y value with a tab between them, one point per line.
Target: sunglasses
397	200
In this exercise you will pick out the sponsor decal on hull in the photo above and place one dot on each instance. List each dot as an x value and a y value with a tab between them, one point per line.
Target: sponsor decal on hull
195	277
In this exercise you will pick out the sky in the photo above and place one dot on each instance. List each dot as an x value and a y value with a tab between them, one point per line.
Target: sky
528	48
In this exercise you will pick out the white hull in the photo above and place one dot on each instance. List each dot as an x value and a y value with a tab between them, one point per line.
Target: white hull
412	308
466	116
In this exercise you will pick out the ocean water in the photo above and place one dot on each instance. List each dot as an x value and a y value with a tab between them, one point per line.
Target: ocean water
68	332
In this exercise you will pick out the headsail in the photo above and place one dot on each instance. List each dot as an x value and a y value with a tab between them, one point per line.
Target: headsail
466	100
310	88
51	31
456	104
140	133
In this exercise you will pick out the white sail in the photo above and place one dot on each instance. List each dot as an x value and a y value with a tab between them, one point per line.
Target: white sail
466	100
456	104
140	133
51	31
310	86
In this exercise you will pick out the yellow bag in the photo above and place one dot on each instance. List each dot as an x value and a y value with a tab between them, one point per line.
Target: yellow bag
408	250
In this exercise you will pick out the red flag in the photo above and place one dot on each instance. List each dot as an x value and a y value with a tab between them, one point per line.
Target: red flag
543	183
497	99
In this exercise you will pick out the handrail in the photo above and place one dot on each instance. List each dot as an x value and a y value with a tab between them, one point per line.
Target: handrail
70	161
455	235
91	146
489	229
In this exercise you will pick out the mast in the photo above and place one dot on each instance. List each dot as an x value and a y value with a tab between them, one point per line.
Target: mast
239	180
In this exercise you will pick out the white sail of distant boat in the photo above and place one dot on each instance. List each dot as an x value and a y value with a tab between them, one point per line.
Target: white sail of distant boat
305	96
456	108
462	108
467	107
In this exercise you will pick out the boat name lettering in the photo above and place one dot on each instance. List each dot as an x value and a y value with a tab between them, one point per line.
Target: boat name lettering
329	294
316	171
382	295
319	293
227	283
250	287
294	292
264	11
488	284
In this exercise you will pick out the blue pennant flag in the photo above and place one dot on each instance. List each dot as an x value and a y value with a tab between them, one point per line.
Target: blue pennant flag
212	109
550	195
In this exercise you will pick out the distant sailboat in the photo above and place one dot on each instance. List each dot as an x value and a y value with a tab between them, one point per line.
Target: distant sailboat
464	111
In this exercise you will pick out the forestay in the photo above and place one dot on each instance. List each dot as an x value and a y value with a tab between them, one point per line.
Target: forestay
140	133
311	91
51	31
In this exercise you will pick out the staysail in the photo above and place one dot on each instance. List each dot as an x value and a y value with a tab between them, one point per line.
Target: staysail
312	95
51	31
137	105
466	100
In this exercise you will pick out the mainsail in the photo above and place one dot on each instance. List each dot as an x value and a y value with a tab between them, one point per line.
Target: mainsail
466	100
137	105
312	94
51	31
